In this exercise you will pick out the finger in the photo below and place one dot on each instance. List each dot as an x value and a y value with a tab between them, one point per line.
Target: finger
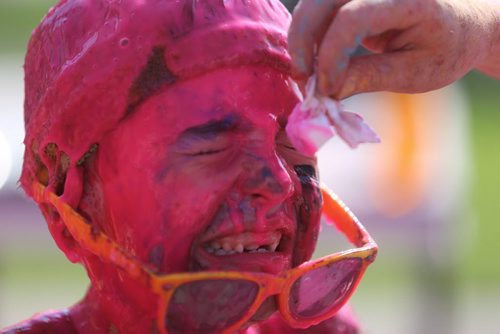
381	43
395	40
309	21
354	22
402	72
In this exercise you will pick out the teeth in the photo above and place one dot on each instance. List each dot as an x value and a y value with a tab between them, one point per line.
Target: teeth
251	247
273	246
239	248
273	210
220	252
244	242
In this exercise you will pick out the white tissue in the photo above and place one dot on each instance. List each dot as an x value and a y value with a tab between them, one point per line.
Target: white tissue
318	118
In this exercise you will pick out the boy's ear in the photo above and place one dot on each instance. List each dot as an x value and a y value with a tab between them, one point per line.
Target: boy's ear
64	178
71	195
60	233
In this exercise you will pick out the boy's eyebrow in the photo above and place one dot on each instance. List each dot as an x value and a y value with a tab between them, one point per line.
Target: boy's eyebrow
212	128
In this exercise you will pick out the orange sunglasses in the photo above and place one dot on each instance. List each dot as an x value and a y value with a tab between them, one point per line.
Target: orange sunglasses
306	295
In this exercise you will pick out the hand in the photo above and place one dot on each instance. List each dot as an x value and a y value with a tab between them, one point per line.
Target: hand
417	45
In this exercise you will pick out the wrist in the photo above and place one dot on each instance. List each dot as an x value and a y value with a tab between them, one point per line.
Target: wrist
490	62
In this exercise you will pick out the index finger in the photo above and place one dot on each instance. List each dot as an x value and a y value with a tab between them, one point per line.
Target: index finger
310	20
354	22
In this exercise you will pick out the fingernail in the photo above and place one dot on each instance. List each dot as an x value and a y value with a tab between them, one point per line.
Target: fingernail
358	40
300	63
300	66
347	89
323	84
298	75
342	65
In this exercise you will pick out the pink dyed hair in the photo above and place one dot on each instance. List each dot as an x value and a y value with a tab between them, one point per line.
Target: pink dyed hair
91	62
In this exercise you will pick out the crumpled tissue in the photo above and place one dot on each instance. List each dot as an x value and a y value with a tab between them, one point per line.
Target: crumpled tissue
318	118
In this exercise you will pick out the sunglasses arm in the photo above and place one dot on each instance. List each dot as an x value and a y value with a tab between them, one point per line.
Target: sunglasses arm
336	212
89	236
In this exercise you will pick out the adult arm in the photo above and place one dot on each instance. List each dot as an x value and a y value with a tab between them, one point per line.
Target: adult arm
417	45
491	63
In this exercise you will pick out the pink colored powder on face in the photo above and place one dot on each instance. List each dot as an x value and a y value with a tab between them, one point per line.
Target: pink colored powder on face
168	180
166	200
186	102
88	62
181	192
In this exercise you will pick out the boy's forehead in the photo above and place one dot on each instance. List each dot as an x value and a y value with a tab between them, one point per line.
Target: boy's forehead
194	39
224	98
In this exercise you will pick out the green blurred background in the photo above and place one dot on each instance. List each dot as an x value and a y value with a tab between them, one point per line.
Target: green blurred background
34	276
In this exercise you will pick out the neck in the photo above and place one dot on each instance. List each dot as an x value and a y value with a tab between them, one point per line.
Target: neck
116	304
88	315
96	315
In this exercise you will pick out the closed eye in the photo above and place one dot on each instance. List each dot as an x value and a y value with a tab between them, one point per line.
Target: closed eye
282	140
207	152
287	146
210	138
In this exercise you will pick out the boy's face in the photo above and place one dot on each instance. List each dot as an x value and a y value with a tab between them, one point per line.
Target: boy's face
202	177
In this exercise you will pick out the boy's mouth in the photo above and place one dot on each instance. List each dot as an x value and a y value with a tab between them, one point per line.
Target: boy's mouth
269	251
247	242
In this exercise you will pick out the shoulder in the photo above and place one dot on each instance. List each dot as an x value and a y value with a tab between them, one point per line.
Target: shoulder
51	322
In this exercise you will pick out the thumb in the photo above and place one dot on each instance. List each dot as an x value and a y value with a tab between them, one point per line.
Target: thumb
402	72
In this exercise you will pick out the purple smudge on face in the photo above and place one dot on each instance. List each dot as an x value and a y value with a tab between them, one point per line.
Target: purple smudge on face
156	256
309	212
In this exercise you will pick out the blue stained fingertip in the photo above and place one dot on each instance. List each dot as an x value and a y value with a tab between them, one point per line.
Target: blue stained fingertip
358	40
301	63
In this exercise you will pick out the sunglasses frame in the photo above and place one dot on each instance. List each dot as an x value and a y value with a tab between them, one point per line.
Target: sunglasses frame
334	210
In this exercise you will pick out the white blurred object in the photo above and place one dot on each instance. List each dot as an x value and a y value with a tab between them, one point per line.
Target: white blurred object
422	165
412	193
5	160
11	118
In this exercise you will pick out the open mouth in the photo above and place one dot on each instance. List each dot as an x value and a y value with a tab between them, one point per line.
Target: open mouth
247	242
268	251
252	246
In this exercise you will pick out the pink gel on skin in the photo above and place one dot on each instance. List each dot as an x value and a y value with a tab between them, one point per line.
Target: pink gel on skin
187	102
182	201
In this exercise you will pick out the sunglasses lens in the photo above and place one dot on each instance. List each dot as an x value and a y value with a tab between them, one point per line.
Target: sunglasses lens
209	306
323	289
